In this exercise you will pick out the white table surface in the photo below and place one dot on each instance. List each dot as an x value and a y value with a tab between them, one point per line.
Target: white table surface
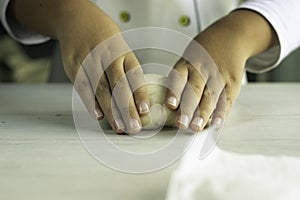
43	158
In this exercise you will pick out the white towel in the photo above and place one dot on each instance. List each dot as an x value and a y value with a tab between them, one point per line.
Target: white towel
224	175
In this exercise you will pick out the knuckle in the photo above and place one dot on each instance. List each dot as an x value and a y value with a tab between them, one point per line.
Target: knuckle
197	88
135	73
102	86
233	79
213	94
120	84
82	85
113	69
229	101
208	93
201	71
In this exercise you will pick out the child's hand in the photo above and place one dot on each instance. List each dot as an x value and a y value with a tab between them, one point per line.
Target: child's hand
80	26
103	70
201	88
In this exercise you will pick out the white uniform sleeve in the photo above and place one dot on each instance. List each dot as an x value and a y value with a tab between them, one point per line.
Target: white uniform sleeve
284	16
16	31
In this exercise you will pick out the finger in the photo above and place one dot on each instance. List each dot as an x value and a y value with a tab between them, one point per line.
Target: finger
85	91
225	103
117	121
219	113
202	115
106	102
176	83
190	98
93	71
136	79
122	95
94	64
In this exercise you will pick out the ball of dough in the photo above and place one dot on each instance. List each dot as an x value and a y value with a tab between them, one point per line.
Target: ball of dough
159	114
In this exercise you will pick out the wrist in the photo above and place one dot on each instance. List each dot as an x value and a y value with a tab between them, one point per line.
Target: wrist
85	22
55	18
239	35
252	31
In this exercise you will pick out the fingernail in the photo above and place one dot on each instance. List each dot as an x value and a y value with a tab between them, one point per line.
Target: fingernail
172	101
217	122
134	126
183	121
197	123
120	126
144	108
98	114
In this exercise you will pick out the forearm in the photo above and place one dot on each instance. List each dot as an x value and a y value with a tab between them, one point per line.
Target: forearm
56	18
255	31
243	31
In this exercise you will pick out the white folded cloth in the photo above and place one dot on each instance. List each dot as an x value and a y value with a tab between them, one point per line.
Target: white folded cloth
223	175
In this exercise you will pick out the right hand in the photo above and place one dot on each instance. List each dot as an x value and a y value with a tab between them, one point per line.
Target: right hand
103	68
80	26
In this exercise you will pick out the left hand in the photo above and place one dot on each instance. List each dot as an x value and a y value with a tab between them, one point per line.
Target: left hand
205	83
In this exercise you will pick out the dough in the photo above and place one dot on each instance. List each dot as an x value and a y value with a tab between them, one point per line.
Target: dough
159	114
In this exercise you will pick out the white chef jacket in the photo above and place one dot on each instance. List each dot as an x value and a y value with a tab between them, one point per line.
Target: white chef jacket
282	15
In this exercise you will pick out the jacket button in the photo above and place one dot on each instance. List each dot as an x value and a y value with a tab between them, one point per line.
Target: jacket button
124	16
184	20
